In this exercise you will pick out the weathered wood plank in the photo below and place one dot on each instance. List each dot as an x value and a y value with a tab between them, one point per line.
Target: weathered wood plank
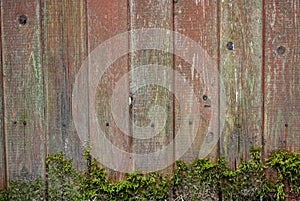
240	66
64	36
3	168
198	20
23	88
145	119
107	19
282	75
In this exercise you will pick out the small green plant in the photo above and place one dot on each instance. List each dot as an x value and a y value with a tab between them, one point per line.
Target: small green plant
198	181
94	182
249	181
287	166
276	180
4	195
63	181
153	186
26	190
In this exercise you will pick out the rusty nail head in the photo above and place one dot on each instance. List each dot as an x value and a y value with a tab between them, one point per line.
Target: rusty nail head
230	45
204	97
281	50
22	19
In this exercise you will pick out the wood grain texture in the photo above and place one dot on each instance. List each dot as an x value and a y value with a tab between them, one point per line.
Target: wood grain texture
44	43
107	19
23	88
3	169
198	20
64	37
241	24
151	14
282	75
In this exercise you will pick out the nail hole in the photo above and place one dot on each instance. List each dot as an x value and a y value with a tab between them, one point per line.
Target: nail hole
230	45
281	50
209	137
107	124
15	122
190	122
286	125
206	105
152	125
22	19
204	97
64	125
24	172
176	1
24	123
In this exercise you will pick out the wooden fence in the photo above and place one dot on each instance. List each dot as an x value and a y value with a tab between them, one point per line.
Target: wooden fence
255	44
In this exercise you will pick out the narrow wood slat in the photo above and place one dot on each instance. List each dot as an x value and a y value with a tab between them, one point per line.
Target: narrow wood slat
282	75
23	89
107	19
198	20
151	14
3	168
64	36
240	68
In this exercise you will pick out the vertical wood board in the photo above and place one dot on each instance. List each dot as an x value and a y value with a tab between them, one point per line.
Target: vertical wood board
198	20
3	168
241	70
282	75
107	19
152	111
64	50
23	88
